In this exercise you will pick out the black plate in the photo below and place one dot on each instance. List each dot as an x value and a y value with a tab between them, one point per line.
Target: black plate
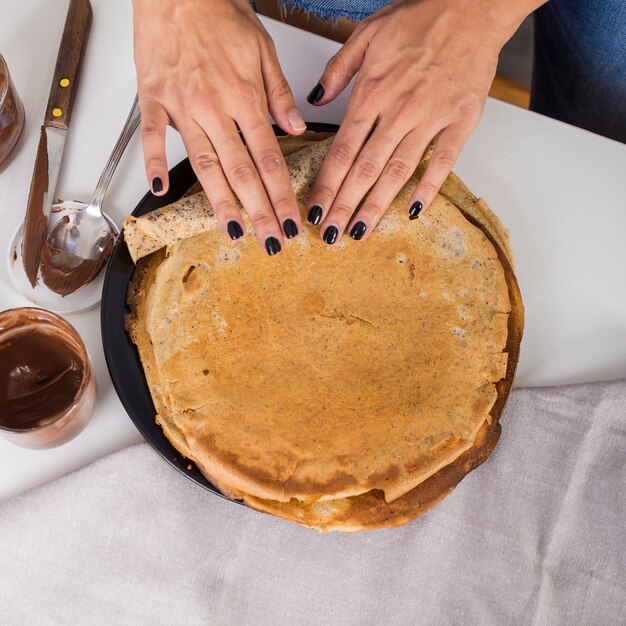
120	352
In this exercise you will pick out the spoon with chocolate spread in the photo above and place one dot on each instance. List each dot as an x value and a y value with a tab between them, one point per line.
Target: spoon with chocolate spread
79	245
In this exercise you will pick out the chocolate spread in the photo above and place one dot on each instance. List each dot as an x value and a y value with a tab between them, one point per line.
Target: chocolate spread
11	115
65	273
40	376
36	222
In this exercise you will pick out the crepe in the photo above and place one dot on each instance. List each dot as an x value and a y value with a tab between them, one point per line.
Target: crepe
193	214
332	468
367	511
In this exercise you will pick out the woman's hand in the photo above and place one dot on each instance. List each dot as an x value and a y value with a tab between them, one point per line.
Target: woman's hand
209	68
424	70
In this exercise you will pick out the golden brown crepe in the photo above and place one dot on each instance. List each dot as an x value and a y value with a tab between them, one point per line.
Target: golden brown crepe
192	214
342	387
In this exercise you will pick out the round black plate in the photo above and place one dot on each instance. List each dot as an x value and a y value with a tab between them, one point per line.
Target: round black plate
120	352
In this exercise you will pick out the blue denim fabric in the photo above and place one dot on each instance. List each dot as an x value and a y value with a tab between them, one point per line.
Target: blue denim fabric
579	73
332	10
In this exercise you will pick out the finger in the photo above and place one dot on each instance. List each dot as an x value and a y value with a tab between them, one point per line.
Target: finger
244	179
360	179
341	68
154	119
207	167
280	101
270	164
341	155
395	174
447	149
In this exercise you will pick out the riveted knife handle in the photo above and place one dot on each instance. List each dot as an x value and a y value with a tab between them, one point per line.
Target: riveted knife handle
69	61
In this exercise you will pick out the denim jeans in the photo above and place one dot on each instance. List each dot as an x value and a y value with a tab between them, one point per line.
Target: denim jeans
332	10
579	72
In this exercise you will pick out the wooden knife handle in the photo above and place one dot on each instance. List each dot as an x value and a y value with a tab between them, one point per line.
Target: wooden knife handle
69	61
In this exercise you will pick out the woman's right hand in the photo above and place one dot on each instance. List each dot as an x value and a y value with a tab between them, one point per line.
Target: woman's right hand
208	68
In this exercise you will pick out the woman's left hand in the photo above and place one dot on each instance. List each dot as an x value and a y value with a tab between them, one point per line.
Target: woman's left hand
424	71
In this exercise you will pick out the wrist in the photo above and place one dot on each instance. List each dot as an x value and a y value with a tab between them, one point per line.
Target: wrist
495	21
163	6
500	17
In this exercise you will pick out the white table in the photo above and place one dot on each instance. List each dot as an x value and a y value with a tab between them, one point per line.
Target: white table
561	191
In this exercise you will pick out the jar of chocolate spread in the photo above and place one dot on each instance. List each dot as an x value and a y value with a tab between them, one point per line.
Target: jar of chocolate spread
47	386
11	115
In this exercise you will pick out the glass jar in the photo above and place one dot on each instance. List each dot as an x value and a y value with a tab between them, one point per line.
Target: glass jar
11	115
48	389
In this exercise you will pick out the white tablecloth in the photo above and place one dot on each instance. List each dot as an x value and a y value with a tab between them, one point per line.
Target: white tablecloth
536	535
561	191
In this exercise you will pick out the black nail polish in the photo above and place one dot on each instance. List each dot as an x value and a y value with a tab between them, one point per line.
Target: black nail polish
315	214
415	210
272	245
234	229
330	234
317	93
290	228
157	185
358	230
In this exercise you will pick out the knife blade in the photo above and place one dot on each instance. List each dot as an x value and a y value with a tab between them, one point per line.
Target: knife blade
53	133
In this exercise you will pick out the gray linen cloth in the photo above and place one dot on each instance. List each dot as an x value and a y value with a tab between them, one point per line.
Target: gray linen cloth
536	535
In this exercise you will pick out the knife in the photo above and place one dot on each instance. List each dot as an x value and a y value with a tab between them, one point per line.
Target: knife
53	133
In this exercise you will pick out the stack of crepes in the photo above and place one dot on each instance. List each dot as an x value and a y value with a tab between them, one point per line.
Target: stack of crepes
342	387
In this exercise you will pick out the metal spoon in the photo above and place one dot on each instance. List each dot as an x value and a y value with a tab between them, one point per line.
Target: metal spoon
80	243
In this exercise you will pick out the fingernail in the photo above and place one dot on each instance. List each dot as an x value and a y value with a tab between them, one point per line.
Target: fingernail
290	228
295	120
234	229
330	234
272	245
415	210
315	214
317	93
157	185
358	230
